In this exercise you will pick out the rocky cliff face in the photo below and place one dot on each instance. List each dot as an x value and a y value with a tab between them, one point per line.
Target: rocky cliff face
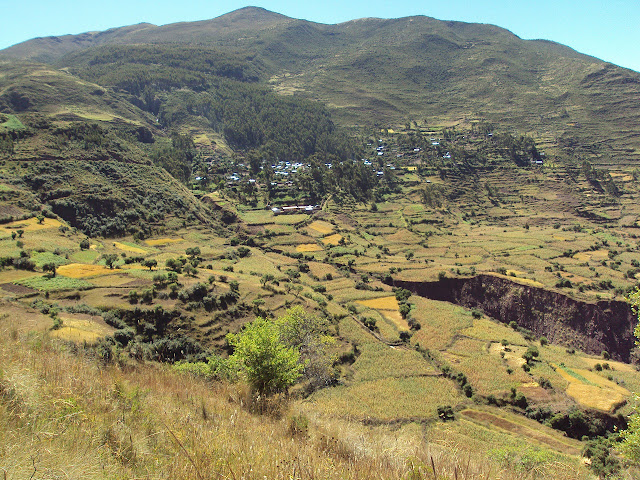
591	327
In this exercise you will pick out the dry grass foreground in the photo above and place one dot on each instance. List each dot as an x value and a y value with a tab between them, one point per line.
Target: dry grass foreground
65	415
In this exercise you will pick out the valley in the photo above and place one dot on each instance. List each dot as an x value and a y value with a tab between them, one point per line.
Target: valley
466	265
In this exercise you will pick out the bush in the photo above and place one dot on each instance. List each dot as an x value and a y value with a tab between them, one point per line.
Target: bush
269	364
445	412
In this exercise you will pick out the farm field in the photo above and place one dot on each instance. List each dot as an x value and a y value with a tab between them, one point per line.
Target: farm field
341	264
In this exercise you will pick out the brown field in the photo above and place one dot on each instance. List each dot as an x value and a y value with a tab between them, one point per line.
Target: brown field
332	239
82	270
7	276
321	227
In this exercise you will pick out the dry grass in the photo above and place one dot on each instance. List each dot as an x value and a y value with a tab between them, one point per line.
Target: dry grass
66	416
382	303
81	330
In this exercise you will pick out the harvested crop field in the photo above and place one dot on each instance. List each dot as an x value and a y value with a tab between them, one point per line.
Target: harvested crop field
592	390
382	303
31	224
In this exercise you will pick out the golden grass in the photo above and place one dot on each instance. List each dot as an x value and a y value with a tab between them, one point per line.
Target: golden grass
309	247
321	227
82	270
532	430
162	241
129	248
332	239
593	396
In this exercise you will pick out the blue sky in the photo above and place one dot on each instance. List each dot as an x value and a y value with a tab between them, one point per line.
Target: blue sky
609	30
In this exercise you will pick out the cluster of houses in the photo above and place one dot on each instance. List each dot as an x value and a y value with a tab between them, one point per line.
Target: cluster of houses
295	209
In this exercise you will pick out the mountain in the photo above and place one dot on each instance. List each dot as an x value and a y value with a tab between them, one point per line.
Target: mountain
388	72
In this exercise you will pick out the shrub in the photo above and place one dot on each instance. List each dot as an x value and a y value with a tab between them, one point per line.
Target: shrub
445	412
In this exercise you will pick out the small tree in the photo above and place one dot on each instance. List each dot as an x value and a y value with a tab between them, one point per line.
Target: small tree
150	263
40	218
110	259
85	244
270	365
50	267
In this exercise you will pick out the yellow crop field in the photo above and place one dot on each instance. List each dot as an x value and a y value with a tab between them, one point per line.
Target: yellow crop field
308	247
595	397
78	330
382	303
30	225
82	270
332	239
321	227
162	241
592	390
129	248
395	318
